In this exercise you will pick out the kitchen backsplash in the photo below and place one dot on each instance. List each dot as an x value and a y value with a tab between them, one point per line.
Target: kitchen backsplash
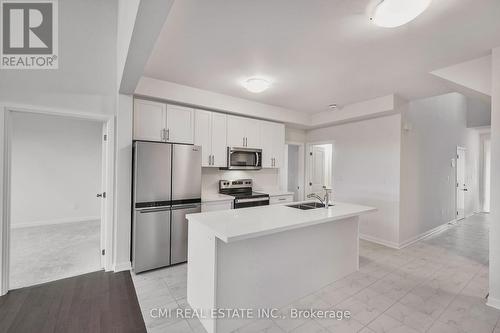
262	179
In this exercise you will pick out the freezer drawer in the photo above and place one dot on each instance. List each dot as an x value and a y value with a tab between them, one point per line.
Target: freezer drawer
151	243
180	231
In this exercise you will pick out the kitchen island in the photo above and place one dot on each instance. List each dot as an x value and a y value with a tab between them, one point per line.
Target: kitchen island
266	257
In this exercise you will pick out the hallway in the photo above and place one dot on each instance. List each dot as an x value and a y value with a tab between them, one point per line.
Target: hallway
437	285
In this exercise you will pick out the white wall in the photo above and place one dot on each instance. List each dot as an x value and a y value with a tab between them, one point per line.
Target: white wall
127	13
494	298
86	78
295	135
56	169
262	179
435	127
366	171
123	182
478	113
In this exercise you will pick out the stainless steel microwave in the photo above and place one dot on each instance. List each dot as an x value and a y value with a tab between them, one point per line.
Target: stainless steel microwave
243	158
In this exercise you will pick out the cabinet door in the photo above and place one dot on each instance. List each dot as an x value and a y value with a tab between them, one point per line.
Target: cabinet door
266	138
278	144
219	142
236	131
149	120
180	124
203	135
252	133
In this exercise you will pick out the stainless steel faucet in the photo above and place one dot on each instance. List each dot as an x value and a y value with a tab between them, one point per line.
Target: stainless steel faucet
326	199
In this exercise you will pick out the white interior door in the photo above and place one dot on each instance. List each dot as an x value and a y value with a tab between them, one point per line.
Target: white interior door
461	183
317	173
293	171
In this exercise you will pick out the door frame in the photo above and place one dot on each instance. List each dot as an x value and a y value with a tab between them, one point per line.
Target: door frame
301	170
456	182
108	167
309	145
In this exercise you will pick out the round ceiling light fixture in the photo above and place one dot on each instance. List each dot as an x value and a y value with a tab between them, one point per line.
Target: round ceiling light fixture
394	13
256	84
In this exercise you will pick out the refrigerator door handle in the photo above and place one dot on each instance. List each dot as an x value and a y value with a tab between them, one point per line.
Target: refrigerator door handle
187	206
153	210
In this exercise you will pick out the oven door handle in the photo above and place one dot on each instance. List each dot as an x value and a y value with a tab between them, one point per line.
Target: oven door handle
251	200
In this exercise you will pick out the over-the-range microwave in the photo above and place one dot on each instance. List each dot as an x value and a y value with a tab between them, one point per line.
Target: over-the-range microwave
239	158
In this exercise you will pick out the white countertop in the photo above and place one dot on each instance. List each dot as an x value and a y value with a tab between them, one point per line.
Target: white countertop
213	197
238	224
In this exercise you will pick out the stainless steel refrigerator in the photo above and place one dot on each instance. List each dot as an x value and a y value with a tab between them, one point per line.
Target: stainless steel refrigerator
166	187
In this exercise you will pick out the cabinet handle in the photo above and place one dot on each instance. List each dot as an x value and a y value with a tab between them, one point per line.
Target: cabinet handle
213	160
168	134
162	135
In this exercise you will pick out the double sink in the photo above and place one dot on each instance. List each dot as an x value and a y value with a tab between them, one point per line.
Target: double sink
308	205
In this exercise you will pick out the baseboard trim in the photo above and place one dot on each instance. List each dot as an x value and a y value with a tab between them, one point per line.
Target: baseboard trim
379	241
493	302
55	221
424	235
406	243
123	266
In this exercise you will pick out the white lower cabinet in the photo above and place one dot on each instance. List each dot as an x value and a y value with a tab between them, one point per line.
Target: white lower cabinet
216	205
279	199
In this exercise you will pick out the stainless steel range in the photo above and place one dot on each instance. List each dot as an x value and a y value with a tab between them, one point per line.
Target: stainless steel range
241	189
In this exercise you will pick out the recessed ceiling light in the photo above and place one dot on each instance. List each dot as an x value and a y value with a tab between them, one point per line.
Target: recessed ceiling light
394	13
332	106
256	84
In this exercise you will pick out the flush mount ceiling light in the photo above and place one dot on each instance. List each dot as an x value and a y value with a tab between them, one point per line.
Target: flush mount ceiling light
256	84
394	13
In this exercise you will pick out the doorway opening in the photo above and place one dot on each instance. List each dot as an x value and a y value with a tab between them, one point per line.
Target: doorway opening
461	184
485	173
320	167
294	170
56	185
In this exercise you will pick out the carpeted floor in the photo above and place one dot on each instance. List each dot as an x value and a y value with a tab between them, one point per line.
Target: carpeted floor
52	252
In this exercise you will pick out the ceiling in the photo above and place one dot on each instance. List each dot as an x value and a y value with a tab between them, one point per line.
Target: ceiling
318	52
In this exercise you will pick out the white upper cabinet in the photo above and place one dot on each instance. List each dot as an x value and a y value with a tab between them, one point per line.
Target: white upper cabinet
180	124
243	132
252	133
149	120
219	142
236	131
203	135
210	134
273	143
156	121
213	131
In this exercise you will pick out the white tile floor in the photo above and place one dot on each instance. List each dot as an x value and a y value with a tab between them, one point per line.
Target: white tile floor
436	285
52	252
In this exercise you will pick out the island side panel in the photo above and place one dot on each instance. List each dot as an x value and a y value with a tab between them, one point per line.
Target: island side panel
274	270
201	271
